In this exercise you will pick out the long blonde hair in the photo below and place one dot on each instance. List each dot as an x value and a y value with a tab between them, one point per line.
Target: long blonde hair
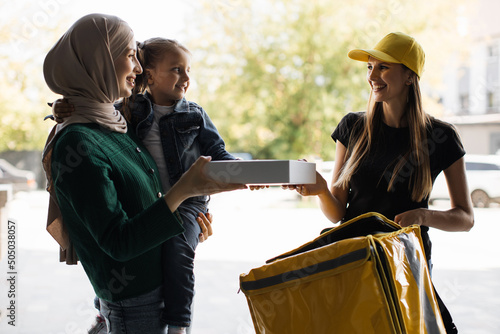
361	142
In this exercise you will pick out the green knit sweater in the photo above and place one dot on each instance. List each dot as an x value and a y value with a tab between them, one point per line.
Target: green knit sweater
109	193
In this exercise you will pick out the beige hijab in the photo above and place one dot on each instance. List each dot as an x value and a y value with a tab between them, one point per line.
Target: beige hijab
80	66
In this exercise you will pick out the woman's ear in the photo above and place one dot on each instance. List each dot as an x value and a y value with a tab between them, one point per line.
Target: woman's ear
411	78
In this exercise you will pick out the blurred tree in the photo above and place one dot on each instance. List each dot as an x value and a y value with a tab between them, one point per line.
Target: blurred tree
275	77
26	33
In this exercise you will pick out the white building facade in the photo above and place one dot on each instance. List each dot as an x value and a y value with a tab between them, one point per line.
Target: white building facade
471	97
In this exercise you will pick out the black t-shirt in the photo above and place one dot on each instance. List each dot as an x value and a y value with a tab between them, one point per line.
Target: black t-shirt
368	186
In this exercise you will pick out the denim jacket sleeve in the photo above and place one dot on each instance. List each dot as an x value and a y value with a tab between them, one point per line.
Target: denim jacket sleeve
210	140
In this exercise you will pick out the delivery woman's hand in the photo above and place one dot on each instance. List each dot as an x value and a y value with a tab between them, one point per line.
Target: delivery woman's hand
412	217
318	188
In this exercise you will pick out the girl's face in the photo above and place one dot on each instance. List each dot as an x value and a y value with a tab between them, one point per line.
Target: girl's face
127	67
169	80
389	81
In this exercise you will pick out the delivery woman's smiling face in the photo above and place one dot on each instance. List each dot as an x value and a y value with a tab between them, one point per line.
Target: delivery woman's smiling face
389	81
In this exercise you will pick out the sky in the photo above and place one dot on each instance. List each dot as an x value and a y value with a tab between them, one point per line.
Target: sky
147	18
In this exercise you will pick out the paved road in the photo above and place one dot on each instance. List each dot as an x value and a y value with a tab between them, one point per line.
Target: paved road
250	227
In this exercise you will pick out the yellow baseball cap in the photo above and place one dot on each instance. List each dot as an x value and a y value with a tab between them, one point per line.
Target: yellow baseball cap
396	47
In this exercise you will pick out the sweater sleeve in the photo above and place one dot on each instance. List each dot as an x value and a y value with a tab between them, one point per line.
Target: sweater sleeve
112	198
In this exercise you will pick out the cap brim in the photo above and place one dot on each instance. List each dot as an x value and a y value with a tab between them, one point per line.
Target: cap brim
364	55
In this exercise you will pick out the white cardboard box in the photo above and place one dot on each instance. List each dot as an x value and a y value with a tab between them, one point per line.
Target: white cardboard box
263	171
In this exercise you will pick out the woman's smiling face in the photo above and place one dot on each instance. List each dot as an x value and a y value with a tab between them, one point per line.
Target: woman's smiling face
127	67
389	81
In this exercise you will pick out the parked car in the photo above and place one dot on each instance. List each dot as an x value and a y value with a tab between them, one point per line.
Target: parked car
483	178
21	180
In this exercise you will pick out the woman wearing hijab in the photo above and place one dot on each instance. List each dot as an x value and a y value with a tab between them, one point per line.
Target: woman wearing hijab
106	195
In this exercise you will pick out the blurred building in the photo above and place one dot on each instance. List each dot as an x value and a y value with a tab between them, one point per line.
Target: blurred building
472	94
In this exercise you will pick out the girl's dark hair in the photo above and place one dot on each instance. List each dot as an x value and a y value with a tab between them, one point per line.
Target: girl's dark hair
150	53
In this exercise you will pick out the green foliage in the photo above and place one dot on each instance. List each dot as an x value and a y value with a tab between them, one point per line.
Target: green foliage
23	93
21	109
21	130
275	76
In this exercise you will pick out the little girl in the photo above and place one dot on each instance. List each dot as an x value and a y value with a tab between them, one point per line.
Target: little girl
176	132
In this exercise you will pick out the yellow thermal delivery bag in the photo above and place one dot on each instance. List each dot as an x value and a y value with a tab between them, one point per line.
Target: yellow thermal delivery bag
343	283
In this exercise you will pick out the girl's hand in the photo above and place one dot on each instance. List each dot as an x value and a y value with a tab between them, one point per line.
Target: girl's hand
205	222
61	109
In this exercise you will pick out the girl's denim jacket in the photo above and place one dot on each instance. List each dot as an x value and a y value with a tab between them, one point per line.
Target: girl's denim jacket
186	134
